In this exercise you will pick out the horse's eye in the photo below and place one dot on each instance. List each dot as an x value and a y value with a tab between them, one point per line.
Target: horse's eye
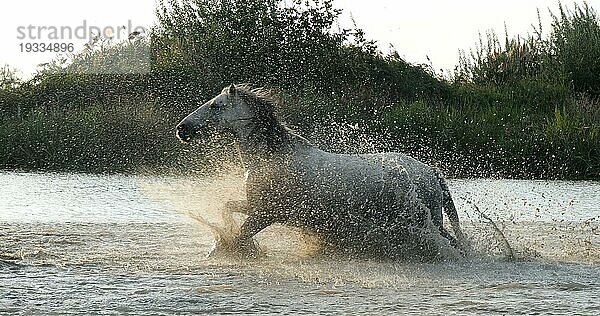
219	105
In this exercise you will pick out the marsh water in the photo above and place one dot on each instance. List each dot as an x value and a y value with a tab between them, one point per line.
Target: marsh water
84	244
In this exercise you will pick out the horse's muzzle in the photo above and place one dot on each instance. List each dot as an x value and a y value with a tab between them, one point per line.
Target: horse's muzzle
185	132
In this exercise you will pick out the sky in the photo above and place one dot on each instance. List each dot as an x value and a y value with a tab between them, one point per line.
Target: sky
416	28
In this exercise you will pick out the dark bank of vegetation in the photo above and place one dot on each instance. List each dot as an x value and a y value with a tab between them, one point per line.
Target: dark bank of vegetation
523	107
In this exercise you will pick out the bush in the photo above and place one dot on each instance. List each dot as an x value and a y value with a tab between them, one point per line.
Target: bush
273	43
523	107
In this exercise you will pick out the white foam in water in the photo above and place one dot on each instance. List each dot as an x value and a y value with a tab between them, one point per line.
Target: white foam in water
556	220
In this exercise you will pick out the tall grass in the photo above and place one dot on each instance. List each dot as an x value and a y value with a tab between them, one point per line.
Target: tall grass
573	48
553	81
568	57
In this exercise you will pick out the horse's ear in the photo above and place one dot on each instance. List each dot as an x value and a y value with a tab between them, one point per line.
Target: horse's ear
232	89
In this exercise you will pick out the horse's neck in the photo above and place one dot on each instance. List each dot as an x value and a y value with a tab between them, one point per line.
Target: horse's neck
267	148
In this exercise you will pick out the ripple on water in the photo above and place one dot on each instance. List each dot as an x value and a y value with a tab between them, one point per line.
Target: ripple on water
137	263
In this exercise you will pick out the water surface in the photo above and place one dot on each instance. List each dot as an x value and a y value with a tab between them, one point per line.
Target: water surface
81	244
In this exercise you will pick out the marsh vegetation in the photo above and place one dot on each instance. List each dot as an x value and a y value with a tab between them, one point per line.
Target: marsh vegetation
519	107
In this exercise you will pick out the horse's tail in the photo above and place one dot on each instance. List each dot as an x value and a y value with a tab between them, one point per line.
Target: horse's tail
450	210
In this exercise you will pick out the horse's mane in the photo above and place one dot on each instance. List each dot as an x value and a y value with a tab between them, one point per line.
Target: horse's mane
262	101
269	129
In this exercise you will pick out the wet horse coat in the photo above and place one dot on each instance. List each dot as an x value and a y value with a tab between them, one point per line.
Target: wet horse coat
383	205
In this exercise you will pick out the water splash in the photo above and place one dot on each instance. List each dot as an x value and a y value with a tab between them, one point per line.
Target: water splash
203	199
532	220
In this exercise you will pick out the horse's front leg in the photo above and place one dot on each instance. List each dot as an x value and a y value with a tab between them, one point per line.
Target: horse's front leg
230	207
256	221
244	245
240	206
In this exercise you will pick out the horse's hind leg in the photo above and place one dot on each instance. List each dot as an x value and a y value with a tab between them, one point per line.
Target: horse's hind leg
438	221
453	242
450	210
434	205
434	200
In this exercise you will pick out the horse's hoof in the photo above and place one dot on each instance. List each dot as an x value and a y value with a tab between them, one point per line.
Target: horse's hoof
235	250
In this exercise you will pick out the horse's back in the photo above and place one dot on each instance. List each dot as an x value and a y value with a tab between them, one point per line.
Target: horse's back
370	174
321	166
349	167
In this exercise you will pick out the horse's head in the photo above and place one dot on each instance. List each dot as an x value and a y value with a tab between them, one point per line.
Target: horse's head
227	111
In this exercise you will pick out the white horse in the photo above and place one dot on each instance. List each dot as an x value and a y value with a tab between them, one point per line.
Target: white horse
378	205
